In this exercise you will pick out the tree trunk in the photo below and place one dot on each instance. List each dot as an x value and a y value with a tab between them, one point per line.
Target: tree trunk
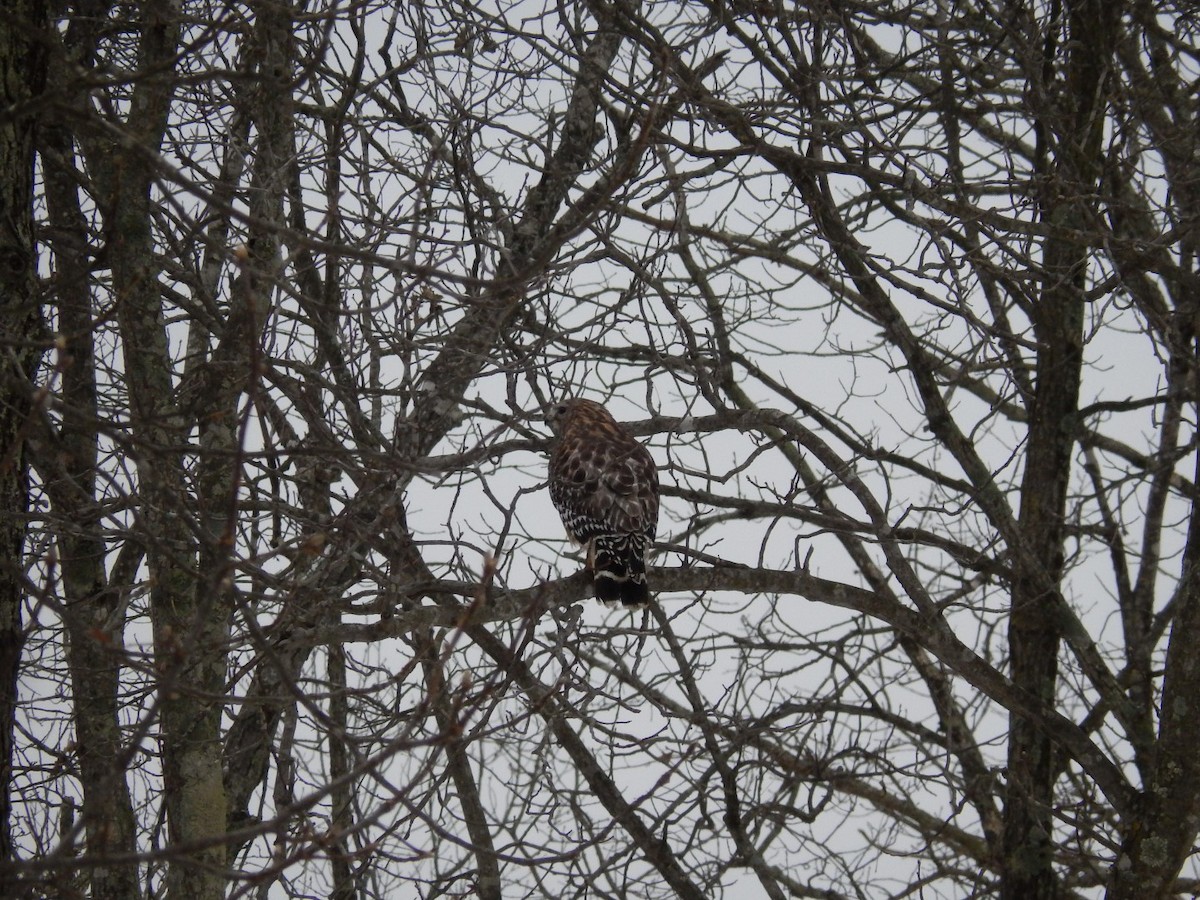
1160	838
1069	167
1157	841
186	614
93	618
21	76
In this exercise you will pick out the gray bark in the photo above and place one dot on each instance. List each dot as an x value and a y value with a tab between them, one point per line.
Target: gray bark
21	76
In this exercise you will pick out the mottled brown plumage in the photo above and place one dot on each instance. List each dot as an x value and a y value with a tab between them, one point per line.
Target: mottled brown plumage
605	486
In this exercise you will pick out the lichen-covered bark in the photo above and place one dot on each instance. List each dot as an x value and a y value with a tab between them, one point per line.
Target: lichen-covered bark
21	75
219	382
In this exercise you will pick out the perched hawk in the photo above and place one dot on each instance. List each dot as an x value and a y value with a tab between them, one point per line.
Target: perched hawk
605	487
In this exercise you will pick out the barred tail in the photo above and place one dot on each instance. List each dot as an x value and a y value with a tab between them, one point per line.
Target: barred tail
620	572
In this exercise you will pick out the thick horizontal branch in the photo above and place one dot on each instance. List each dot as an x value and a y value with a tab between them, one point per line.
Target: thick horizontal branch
934	634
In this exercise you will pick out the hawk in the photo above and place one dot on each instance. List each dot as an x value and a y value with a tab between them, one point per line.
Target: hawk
605	486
